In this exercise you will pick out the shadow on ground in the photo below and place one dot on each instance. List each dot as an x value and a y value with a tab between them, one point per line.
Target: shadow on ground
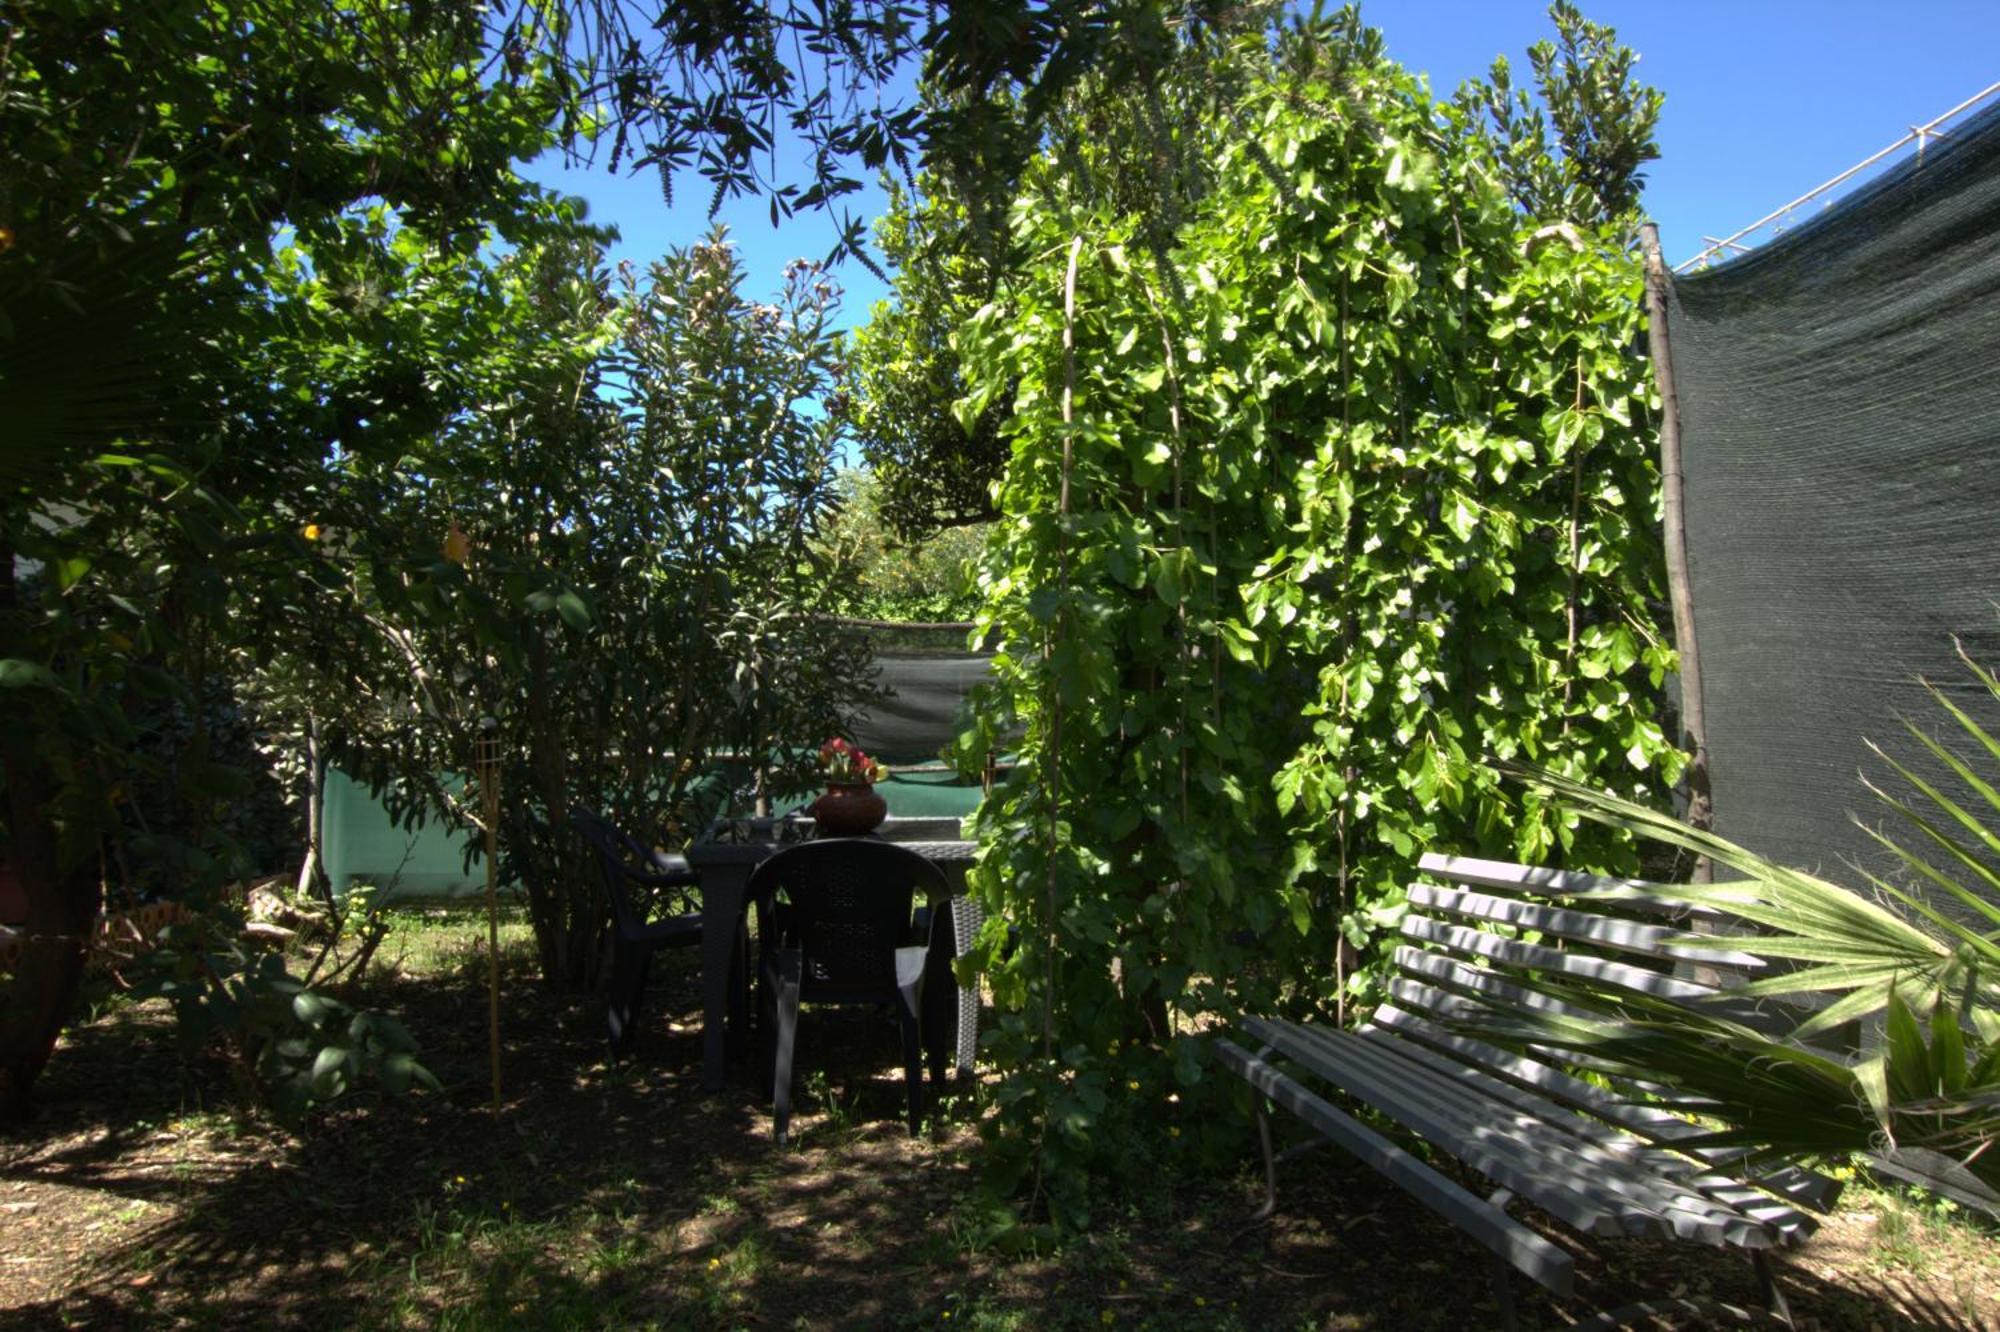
623	1196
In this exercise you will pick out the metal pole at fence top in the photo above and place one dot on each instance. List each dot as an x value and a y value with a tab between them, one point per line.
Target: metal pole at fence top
487	763
1918	133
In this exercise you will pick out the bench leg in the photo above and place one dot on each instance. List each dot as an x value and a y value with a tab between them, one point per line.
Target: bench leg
1767	1287
1503	1293
1270	1206
1503	1290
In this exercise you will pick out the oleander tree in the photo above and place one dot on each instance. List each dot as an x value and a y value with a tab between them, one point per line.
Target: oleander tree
605	567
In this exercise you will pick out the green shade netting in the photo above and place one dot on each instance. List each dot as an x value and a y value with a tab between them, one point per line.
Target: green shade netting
1840	430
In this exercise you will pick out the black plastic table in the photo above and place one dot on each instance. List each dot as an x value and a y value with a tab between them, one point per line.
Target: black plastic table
725	867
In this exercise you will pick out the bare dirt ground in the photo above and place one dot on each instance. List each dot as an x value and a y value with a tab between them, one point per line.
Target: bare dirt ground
624	1197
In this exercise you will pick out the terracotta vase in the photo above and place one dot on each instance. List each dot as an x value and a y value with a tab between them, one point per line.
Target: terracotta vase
849	809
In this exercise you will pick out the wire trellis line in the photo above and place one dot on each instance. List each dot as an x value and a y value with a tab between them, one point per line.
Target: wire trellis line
1918	134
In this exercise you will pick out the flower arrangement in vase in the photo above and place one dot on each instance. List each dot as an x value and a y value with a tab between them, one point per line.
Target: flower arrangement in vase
850	806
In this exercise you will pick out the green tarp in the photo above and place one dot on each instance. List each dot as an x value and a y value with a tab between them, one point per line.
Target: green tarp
360	843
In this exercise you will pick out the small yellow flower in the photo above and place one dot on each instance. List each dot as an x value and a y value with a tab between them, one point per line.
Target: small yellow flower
1173	1132
310	531
1133	1085
714	1263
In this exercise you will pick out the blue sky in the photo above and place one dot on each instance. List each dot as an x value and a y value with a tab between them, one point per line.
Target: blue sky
1765	100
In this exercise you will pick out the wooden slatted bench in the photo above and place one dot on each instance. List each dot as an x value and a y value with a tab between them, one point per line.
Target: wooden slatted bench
1601	1162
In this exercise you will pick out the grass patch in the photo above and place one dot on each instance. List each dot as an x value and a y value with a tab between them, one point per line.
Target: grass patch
1923	1234
623	1196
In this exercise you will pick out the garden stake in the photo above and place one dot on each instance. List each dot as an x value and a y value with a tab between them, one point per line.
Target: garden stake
1577	449
1055	694
489	799
1062	576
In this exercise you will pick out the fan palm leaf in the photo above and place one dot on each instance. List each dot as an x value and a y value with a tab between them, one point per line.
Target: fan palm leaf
1777	1099
1898	957
1854	943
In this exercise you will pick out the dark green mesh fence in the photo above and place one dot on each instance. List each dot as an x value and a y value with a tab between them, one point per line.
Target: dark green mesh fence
1840	416
926	674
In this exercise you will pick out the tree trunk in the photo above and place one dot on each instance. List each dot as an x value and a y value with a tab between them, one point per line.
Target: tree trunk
63	903
568	910
1693	714
544	896
62	909
565	900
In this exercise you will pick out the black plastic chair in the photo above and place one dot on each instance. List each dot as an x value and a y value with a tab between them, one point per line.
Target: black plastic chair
835	926
670	883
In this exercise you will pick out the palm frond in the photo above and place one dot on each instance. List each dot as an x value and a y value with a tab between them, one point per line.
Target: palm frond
1930	976
1860	944
1778	1098
1955	850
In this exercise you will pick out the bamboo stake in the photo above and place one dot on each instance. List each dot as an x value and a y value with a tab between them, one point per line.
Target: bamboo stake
1055	690
313	881
1694	722
489	798
1053	936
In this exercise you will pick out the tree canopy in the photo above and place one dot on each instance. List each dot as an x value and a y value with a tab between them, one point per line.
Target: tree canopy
1569	150
266	366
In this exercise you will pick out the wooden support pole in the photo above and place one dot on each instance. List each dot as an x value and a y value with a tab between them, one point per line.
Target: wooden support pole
1694	724
312	870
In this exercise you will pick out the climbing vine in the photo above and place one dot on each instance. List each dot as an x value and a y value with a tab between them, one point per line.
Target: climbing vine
1349	489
